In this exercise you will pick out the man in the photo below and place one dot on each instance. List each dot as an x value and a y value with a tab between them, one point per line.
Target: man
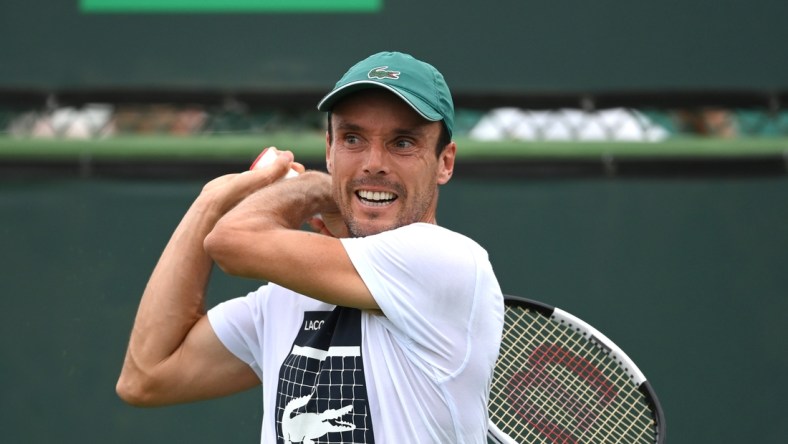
380	327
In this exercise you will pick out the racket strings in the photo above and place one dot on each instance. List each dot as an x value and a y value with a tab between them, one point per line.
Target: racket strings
559	402
572	392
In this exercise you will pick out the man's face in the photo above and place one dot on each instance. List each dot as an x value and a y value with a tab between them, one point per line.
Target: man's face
383	163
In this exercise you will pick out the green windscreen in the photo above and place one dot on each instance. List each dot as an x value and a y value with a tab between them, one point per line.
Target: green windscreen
144	6
505	48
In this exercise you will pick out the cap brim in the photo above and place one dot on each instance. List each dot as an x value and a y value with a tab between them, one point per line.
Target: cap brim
420	106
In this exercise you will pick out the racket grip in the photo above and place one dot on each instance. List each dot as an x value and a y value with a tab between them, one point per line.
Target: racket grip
266	158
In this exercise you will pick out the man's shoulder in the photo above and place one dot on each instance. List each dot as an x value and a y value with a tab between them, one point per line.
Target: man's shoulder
438	243
418	246
272	296
431	231
435	234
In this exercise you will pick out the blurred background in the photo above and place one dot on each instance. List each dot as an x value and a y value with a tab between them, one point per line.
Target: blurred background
626	161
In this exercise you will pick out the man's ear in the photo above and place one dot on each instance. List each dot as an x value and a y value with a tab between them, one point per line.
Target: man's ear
329	164
446	163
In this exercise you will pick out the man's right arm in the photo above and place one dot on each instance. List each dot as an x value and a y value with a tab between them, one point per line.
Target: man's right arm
174	355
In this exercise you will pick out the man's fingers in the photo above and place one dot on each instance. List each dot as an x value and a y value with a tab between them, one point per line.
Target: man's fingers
275	169
230	189
218	181
273	156
318	226
299	168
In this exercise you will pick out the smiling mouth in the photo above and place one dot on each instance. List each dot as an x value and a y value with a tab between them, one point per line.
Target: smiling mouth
376	198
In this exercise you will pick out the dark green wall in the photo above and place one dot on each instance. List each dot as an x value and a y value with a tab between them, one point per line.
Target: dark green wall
517	46
687	276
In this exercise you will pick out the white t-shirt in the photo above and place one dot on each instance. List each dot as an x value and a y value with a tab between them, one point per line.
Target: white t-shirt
419	374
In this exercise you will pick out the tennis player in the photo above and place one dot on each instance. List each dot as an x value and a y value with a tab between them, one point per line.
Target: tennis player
381	326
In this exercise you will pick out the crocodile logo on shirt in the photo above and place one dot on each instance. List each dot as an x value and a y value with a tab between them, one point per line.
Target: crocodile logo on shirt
305	427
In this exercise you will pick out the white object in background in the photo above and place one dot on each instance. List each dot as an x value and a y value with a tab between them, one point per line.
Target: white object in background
618	124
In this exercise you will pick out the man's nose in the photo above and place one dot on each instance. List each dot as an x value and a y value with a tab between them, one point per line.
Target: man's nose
377	159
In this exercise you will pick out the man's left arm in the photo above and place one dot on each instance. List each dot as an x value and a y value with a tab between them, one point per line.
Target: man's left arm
261	239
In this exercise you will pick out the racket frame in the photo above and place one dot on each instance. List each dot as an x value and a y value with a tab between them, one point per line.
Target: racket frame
638	379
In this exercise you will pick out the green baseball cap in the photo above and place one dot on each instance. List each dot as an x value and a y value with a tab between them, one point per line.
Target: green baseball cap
418	83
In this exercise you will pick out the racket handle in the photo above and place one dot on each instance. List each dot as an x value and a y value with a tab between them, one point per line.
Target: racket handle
266	158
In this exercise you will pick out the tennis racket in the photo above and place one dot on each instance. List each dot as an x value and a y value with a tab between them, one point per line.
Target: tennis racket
559	380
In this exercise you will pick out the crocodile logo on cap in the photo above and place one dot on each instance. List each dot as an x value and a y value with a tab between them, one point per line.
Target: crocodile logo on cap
382	72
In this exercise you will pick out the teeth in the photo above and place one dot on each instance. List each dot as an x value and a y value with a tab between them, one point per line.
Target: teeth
376	195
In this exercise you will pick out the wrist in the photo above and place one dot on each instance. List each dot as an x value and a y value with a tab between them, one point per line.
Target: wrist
318	190
205	212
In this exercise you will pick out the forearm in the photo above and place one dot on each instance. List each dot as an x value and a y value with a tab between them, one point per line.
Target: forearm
242	237
287	204
173	354
173	300
261	239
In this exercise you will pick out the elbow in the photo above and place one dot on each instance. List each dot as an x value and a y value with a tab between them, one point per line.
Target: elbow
218	245
131	393
136	391
228	247
212	244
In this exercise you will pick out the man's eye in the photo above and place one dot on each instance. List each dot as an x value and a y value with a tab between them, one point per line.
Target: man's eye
350	139
404	144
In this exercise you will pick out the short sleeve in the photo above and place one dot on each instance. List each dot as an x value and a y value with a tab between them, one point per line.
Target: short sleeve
423	279
238	323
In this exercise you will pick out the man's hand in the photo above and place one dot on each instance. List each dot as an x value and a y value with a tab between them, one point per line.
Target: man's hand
329	222
229	190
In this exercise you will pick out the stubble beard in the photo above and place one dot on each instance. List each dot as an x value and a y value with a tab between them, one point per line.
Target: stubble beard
421	202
